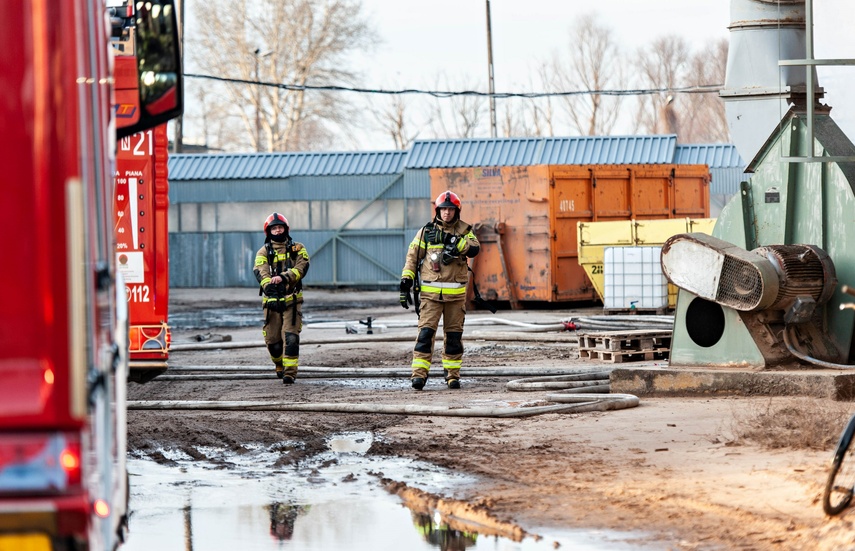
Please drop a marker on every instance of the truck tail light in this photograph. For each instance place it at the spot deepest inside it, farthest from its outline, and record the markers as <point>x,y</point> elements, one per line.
<point>69,460</point>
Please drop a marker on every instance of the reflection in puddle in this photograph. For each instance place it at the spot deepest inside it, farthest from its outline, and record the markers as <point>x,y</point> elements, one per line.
<point>357,442</point>
<point>283,517</point>
<point>441,535</point>
<point>332,503</point>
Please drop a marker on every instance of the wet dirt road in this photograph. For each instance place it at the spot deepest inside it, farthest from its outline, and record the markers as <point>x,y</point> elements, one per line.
<point>659,476</point>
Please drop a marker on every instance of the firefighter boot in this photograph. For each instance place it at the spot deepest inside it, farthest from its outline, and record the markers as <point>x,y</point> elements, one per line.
<point>276,357</point>
<point>420,373</point>
<point>289,375</point>
<point>277,364</point>
<point>452,378</point>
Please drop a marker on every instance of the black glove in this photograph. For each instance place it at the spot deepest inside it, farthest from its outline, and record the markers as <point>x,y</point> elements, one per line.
<point>445,238</point>
<point>277,303</point>
<point>406,298</point>
<point>276,290</point>
<point>275,297</point>
<point>271,290</point>
<point>436,236</point>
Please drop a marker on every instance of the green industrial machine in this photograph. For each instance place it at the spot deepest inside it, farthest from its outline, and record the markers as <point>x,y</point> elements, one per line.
<point>762,292</point>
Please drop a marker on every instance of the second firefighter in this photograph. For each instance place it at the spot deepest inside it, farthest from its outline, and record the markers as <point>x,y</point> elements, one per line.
<point>280,266</point>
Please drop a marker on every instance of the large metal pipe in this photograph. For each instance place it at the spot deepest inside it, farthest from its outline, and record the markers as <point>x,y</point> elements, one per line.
<point>756,90</point>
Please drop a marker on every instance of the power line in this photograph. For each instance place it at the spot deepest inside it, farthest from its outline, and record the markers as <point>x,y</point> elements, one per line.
<point>702,89</point>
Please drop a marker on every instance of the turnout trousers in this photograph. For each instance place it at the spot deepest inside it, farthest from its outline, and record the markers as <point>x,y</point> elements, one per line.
<point>453,314</point>
<point>282,336</point>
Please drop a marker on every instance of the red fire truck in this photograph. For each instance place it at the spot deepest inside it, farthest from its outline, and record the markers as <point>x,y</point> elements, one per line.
<point>141,211</point>
<point>63,314</point>
<point>142,247</point>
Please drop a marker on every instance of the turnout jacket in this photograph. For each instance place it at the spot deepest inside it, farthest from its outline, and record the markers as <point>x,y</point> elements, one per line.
<point>439,280</point>
<point>288,257</point>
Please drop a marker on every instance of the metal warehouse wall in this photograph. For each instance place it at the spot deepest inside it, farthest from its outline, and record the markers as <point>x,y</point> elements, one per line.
<point>355,228</point>
<point>357,212</point>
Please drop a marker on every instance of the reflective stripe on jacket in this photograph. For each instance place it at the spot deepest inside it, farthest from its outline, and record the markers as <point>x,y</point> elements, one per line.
<point>296,261</point>
<point>441,281</point>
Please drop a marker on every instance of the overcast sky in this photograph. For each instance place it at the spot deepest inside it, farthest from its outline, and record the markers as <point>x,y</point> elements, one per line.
<point>423,39</point>
<point>450,35</point>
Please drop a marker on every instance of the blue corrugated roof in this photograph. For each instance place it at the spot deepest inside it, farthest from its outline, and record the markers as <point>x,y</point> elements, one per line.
<point>473,152</point>
<point>581,150</point>
<point>715,155</point>
<point>250,166</point>
<point>460,153</point>
<point>608,150</point>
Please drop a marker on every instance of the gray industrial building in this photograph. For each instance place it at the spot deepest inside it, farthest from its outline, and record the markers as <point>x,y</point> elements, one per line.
<point>356,212</point>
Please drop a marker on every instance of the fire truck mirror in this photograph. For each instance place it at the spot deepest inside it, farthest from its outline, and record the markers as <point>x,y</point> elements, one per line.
<point>158,59</point>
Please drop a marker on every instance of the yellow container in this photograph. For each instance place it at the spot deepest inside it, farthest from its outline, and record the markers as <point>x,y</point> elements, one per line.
<point>594,237</point>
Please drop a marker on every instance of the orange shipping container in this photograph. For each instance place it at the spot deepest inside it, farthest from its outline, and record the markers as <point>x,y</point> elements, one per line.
<point>525,218</point>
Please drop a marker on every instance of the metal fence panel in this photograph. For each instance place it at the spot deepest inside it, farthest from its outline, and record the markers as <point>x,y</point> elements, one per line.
<point>215,259</point>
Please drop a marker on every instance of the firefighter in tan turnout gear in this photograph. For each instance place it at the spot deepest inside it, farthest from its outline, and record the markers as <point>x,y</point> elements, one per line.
<point>438,255</point>
<point>280,266</point>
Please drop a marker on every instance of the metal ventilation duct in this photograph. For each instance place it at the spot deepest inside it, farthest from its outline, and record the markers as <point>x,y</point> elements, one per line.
<point>756,90</point>
<point>720,272</point>
<point>774,277</point>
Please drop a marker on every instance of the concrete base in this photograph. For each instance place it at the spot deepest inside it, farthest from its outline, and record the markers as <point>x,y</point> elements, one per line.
<point>688,381</point>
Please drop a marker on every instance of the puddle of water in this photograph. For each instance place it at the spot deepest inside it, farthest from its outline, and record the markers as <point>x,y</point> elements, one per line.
<point>333,503</point>
<point>351,443</point>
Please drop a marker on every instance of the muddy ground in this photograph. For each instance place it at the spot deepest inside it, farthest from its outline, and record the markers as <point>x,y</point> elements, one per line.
<point>670,469</point>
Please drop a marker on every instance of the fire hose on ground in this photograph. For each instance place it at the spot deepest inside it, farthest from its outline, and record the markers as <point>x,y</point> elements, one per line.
<point>575,390</point>
<point>557,325</point>
<point>578,391</point>
<point>569,403</point>
<point>362,339</point>
<point>243,372</point>
<point>522,333</point>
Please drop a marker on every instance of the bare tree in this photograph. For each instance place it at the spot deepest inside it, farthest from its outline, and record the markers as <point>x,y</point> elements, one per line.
<point>511,120</point>
<point>395,121</point>
<point>459,116</point>
<point>292,42</point>
<point>594,64</point>
<point>703,118</point>
<point>215,123</point>
<point>539,114</point>
<point>530,117</point>
<point>662,65</point>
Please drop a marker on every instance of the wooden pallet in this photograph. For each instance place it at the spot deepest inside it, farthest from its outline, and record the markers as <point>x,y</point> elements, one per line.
<point>615,357</point>
<point>625,346</point>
